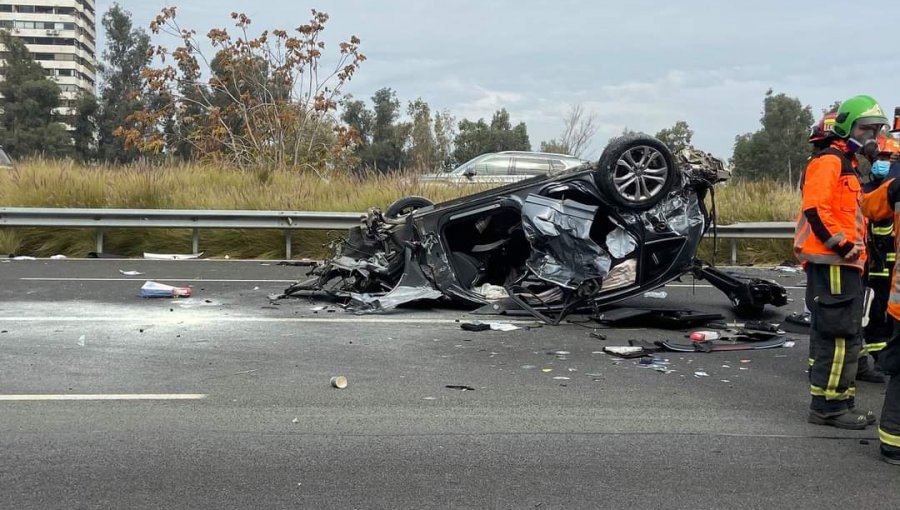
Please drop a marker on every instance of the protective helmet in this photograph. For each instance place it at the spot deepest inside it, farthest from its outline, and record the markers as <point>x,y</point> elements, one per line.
<point>821,130</point>
<point>859,111</point>
<point>888,145</point>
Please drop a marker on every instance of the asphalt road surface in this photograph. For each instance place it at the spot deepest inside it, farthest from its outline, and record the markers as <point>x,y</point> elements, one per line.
<point>223,400</point>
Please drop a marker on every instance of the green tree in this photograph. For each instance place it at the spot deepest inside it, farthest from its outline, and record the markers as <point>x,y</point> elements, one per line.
<point>476,138</point>
<point>122,92</point>
<point>84,124</point>
<point>28,124</point>
<point>421,153</point>
<point>443,139</point>
<point>358,118</point>
<point>381,137</point>
<point>676,137</point>
<point>779,149</point>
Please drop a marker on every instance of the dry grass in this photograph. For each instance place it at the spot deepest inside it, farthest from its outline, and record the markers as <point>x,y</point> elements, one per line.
<point>754,201</point>
<point>59,184</point>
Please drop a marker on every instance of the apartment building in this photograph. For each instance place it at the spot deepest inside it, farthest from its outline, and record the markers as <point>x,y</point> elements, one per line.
<point>61,35</point>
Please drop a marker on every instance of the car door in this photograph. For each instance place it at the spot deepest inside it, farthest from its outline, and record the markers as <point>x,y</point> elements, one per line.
<point>526,167</point>
<point>493,170</point>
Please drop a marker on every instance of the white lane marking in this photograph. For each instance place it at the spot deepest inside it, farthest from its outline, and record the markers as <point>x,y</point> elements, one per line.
<point>706,286</point>
<point>176,319</point>
<point>130,396</point>
<point>145,277</point>
<point>201,280</point>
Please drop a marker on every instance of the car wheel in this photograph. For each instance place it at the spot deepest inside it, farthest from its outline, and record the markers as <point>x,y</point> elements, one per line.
<point>636,171</point>
<point>406,206</point>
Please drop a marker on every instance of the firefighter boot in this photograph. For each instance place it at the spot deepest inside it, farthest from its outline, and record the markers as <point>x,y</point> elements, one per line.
<point>846,420</point>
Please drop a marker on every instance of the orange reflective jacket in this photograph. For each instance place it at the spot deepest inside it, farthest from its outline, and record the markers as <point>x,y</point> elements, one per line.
<point>831,222</point>
<point>879,205</point>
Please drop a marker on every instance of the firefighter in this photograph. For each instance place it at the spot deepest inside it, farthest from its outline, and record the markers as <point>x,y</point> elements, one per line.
<point>879,264</point>
<point>879,205</point>
<point>830,242</point>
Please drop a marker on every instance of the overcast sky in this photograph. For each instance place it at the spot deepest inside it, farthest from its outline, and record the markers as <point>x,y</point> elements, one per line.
<point>643,64</point>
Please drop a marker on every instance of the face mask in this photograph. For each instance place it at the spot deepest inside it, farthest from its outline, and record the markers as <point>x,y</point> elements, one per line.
<point>865,144</point>
<point>880,168</point>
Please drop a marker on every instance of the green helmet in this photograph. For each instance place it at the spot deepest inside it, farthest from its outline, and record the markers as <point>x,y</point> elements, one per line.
<point>858,110</point>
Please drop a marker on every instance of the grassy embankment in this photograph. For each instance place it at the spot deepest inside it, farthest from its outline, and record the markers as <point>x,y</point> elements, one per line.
<point>52,184</point>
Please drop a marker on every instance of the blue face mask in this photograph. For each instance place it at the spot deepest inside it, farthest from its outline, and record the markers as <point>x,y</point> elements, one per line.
<point>880,168</point>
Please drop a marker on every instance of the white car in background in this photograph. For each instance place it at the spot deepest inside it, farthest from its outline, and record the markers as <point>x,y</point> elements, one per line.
<point>505,167</point>
<point>5,161</point>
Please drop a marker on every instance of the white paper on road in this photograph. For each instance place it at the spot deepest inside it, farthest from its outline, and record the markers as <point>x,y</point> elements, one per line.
<point>171,256</point>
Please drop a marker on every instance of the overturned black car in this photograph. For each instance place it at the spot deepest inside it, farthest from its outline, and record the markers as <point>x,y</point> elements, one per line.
<point>550,245</point>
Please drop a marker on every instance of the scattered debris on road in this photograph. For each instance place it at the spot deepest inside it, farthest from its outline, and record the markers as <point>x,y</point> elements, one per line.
<point>161,290</point>
<point>339,382</point>
<point>662,318</point>
<point>660,294</point>
<point>459,387</point>
<point>131,273</point>
<point>484,326</point>
<point>172,256</point>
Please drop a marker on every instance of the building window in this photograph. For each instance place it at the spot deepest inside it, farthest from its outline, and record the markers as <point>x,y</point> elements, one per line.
<point>25,8</point>
<point>5,8</point>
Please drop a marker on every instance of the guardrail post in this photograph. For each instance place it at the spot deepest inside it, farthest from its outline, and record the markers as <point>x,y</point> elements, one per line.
<point>287,244</point>
<point>98,236</point>
<point>195,241</point>
<point>734,252</point>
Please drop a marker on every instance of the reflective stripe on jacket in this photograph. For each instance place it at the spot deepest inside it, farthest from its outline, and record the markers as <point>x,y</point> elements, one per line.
<point>831,222</point>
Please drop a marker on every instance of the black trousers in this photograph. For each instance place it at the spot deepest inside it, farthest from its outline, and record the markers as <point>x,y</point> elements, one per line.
<point>834,296</point>
<point>889,427</point>
<point>880,327</point>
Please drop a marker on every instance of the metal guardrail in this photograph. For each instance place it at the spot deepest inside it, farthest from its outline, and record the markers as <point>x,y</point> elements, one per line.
<point>287,221</point>
<point>101,219</point>
<point>753,230</point>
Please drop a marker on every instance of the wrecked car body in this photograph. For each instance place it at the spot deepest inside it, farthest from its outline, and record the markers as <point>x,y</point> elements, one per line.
<point>579,239</point>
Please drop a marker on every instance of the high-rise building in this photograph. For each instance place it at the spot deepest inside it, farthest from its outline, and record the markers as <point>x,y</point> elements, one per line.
<point>61,35</point>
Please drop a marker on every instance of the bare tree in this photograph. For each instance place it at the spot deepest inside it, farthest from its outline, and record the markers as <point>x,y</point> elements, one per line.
<point>580,129</point>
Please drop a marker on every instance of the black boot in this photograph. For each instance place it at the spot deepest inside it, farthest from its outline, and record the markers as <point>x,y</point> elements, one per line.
<point>846,420</point>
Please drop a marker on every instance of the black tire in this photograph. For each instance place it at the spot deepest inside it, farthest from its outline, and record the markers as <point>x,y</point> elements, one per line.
<point>636,171</point>
<point>406,206</point>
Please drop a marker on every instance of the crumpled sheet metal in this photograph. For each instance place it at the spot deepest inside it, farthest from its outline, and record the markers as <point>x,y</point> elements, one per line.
<point>681,212</point>
<point>559,233</point>
<point>619,243</point>
<point>702,163</point>
<point>413,286</point>
<point>366,303</point>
